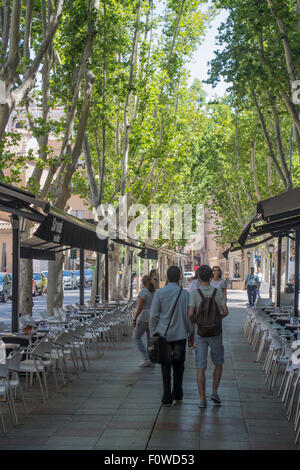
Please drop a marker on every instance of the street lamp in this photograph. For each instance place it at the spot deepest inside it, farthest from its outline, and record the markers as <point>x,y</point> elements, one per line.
<point>271,251</point>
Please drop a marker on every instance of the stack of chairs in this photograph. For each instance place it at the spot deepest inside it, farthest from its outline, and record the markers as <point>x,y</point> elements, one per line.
<point>270,339</point>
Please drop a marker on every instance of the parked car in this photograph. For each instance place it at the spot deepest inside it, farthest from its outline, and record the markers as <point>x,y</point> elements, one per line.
<point>88,277</point>
<point>77,275</point>
<point>69,280</point>
<point>5,286</point>
<point>186,276</point>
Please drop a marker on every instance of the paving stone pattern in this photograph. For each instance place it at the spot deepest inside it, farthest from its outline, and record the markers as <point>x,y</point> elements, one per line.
<point>116,405</point>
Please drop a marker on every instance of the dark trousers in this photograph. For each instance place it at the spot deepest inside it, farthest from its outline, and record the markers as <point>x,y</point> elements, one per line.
<point>252,292</point>
<point>175,361</point>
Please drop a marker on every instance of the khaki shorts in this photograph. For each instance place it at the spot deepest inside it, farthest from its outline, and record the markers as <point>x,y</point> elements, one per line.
<point>215,343</point>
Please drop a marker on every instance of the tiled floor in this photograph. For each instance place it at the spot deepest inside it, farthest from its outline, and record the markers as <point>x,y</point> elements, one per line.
<point>116,405</point>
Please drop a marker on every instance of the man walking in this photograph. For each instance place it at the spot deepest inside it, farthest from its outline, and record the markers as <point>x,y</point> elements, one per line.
<point>252,286</point>
<point>215,343</point>
<point>179,330</point>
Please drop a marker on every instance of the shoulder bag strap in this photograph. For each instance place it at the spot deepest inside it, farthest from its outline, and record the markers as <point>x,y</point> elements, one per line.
<point>214,293</point>
<point>201,293</point>
<point>173,310</point>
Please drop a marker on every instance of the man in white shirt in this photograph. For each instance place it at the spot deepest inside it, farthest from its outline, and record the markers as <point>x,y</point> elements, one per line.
<point>252,285</point>
<point>180,329</point>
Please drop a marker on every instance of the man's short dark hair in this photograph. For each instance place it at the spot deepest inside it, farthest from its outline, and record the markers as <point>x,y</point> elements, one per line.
<point>205,273</point>
<point>173,274</point>
<point>197,272</point>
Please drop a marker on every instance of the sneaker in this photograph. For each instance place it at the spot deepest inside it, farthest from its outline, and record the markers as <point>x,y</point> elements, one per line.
<point>216,399</point>
<point>176,402</point>
<point>202,404</point>
<point>145,363</point>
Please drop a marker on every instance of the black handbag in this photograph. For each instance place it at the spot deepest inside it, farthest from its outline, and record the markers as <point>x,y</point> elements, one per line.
<point>157,348</point>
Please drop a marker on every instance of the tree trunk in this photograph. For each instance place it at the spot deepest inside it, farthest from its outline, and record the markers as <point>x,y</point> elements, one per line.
<point>114,271</point>
<point>258,196</point>
<point>126,107</point>
<point>55,292</point>
<point>5,26</point>
<point>285,41</point>
<point>291,108</point>
<point>145,267</point>
<point>279,142</point>
<point>101,276</point>
<point>126,278</point>
<point>237,153</point>
<point>269,163</point>
<point>26,276</point>
<point>297,138</point>
<point>268,140</point>
<point>8,72</point>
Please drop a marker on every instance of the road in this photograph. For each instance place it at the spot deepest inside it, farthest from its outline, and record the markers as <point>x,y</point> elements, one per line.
<point>40,303</point>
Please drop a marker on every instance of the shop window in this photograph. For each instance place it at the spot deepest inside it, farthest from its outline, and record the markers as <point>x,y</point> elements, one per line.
<point>237,270</point>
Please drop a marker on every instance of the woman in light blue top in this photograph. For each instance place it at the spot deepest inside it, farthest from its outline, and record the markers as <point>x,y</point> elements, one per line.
<point>141,319</point>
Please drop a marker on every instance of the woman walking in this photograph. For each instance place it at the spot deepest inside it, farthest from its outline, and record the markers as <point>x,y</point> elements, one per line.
<point>218,281</point>
<point>141,319</point>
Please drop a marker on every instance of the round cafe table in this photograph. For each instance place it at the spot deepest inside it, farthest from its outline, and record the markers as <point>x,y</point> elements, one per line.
<point>10,347</point>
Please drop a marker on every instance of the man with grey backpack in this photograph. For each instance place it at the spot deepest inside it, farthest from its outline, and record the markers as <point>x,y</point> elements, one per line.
<point>169,320</point>
<point>207,308</point>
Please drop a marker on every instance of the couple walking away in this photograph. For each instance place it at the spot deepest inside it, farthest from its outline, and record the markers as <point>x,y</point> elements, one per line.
<point>204,300</point>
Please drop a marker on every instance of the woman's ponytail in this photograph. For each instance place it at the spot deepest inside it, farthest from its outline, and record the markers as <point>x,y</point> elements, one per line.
<point>149,283</point>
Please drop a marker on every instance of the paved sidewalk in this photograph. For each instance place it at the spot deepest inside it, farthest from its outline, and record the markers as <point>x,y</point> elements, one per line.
<point>116,405</point>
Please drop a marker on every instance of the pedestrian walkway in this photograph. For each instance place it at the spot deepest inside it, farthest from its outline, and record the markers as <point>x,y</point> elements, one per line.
<point>116,405</point>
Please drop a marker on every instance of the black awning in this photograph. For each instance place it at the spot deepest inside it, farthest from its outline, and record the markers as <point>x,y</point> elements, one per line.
<point>280,207</point>
<point>125,243</point>
<point>279,227</point>
<point>148,253</point>
<point>281,214</point>
<point>66,230</point>
<point>35,248</point>
<point>22,203</point>
<point>31,253</point>
<point>251,245</point>
<point>244,235</point>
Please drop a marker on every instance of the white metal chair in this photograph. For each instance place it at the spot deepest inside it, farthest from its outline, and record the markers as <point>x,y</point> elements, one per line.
<point>37,362</point>
<point>65,343</point>
<point>13,365</point>
<point>6,393</point>
<point>78,334</point>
